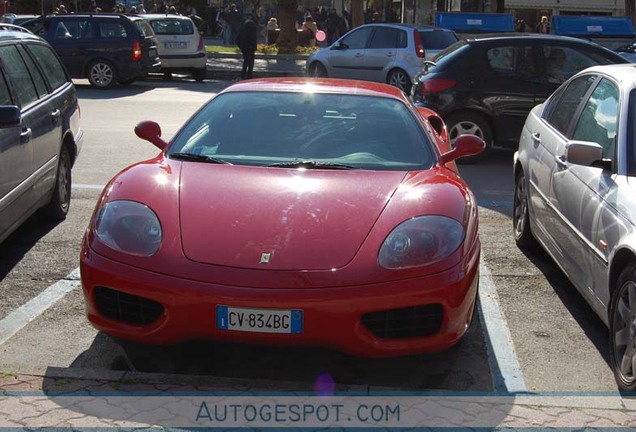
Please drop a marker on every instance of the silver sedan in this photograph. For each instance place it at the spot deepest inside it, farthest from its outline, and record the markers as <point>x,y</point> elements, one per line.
<point>575,177</point>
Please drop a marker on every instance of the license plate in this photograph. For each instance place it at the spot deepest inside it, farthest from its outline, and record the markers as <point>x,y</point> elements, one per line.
<point>175,45</point>
<point>259,320</point>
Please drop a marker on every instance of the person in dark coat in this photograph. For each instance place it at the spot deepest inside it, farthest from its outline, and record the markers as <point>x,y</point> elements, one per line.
<point>247,41</point>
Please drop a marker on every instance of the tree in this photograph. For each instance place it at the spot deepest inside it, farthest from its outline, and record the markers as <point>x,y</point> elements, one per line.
<point>288,37</point>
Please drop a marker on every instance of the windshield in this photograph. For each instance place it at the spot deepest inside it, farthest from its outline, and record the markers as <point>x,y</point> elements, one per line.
<point>319,131</point>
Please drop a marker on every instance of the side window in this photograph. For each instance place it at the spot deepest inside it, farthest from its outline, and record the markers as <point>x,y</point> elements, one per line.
<point>501,60</point>
<point>112,30</point>
<point>357,39</point>
<point>384,38</point>
<point>513,61</point>
<point>18,75</point>
<point>562,62</point>
<point>599,117</point>
<point>60,31</point>
<point>36,75</point>
<point>49,62</point>
<point>563,109</point>
<point>5,96</point>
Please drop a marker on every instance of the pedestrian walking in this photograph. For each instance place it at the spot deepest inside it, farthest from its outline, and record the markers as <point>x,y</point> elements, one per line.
<point>247,40</point>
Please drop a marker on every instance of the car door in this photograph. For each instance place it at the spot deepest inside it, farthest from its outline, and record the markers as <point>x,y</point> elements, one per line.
<point>549,136</point>
<point>381,52</point>
<point>346,57</point>
<point>71,38</point>
<point>39,128</point>
<point>509,85</point>
<point>577,191</point>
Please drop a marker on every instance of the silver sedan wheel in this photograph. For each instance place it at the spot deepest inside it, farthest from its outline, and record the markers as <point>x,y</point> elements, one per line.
<point>400,79</point>
<point>623,332</point>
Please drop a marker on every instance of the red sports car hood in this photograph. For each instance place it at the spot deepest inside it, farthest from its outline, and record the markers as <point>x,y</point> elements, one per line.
<point>279,219</point>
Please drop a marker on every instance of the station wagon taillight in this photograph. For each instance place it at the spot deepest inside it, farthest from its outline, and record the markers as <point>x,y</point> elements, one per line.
<point>201,46</point>
<point>433,86</point>
<point>419,45</point>
<point>136,48</point>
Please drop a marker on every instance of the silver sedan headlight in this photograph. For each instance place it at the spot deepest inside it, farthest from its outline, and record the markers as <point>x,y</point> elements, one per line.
<point>421,241</point>
<point>129,227</point>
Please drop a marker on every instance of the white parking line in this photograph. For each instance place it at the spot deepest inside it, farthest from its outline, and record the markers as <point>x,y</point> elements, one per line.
<point>504,366</point>
<point>26,313</point>
<point>87,186</point>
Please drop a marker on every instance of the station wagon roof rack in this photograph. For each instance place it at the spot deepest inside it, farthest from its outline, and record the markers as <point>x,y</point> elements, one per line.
<point>7,26</point>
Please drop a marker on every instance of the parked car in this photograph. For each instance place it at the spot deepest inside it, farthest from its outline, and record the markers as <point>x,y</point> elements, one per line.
<point>487,85</point>
<point>180,45</point>
<point>628,52</point>
<point>574,195</point>
<point>40,133</point>
<point>283,213</point>
<point>105,48</point>
<point>11,18</point>
<point>386,53</point>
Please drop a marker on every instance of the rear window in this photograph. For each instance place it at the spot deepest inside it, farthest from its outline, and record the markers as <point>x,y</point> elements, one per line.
<point>438,39</point>
<point>173,27</point>
<point>144,28</point>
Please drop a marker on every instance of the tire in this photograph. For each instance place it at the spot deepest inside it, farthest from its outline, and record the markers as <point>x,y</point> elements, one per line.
<point>199,74</point>
<point>57,208</point>
<point>521,215</point>
<point>622,321</point>
<point>400,79</point>
<point>469,123</point>
<point>317,70</point>
<point>102,74</point>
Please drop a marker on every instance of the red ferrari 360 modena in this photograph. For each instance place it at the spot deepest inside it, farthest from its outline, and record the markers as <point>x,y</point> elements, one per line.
<point>291,212</point>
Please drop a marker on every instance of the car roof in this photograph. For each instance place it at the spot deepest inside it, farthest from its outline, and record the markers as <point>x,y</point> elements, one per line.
<point>154,16</point>
<point>318,85</point>
<point>407,26</point>
<point>13,32</point>
<point>484,37</point>
<point>625,72</point>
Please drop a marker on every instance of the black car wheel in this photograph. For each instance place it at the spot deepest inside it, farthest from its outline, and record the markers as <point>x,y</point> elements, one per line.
<point>622,320</point>
<point>317,70</point>
<point>57,208</point>
<point>521,215</point>
<point>199,74</point>
<point>400,79</point>
<point>469,123</point>
<point>101,74</point>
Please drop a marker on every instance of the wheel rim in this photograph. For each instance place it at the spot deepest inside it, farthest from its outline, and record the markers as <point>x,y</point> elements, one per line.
<point>64,181</point>
<point>520,206</point>
<point>317,71</point>
<point>464,127</point>
<point>102,74</point>
<point>398,79</point>
<point>624,336</point>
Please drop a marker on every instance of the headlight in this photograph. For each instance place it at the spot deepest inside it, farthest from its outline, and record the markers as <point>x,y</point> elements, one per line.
<point>421,241</point>
<point>129,227</point>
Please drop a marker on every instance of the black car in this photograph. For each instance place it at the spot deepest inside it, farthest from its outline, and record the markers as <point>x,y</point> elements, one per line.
<point>486,85</point>
<point>40,133</point>
<point>105,48</point>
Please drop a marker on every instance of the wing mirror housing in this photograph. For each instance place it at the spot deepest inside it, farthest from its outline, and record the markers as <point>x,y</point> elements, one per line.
<point>585,153</point>
<point>151,131</point>
<point>464,145</point>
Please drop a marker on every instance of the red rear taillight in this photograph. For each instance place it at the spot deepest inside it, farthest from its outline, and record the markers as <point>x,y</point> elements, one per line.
<point>419,46</point>
<point>433,86</point>
<point>136,48</point>
<point>201,46</point>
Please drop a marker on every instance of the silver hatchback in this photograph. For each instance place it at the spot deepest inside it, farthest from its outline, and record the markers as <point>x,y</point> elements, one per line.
<point>382,52</point>
<point>575,195</point>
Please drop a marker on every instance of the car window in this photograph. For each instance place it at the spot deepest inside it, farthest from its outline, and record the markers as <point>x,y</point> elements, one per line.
<point>18,75</point>
<point>144,28</point>
<point>5,96</point>
<point>437,39</point>
<point>562,109</point>
<point>40,28</point>
<point>112,30</point>
<point>172,27</point>
<point>34,71</point>
<point>513,61</point>
<point>598,119</point>
<point>55,72</point>
<point>385,37</point>
<point>60,31</point>
<point>563,62</point>
<point>357,39</point>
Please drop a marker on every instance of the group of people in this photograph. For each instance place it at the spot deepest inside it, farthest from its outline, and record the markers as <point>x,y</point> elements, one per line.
<point>543,26</point>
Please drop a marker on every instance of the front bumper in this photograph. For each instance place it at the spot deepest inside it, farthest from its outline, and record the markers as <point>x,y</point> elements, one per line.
<point>332,317</point>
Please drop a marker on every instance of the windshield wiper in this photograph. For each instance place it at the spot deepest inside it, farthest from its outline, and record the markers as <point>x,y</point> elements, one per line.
<point>311,164</point>
<point>198,158</point>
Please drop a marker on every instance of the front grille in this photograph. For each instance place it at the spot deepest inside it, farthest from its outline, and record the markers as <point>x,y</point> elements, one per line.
<point>408,322</point>
<point>127,308</point>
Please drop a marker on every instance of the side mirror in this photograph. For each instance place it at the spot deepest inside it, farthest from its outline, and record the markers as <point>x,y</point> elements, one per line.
<point>585,153</point>
<point>464,145</point>
<point>10,116</point>
<point>151,131</point>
